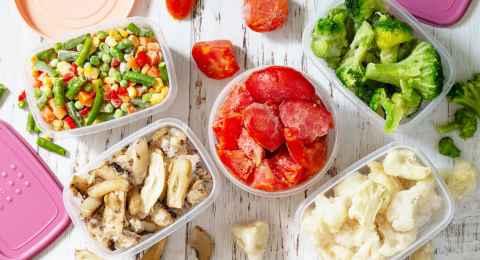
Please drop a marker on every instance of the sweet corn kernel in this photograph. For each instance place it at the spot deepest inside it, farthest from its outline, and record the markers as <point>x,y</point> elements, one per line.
<point>34,59</point>
<point>158,82</point>
<point>57,125</point>
<point>158,97</point>
<point>145,68</point>
<point>114,34</point>
<point>109,80</point>
<point>124,99</point>
<point>134,40</point>
<point>47,81</point>
<point>96,41</point>
<point>132,92</point>
<point>143,41</point>
<point>91,73</point>
<point>123,33</point>
<point>110,41</point>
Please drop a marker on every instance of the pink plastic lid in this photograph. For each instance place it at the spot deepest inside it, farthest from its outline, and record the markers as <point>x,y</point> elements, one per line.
<point>437,12</point>
<point>31,209</point>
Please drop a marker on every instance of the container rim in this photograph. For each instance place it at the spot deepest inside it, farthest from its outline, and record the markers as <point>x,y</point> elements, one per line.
<point>103,126</point>
<point>148,240</point>
<point>333,146</point>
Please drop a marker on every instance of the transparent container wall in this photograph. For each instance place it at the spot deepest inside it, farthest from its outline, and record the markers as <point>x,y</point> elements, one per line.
<point>72,203</point>
<point>439,221</point>
<point>399,12</point>
<point>332,140</point>
<point>28,82</point>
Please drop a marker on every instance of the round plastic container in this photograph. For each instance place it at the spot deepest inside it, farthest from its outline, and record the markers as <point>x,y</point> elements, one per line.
<point>400,13</point>
<point>86,130</point>
<point>72,203</point>
<point>332,140</point>
<point>439,221</point>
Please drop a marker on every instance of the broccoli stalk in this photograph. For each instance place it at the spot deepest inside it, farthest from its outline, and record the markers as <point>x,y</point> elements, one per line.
<point>465,122</point>
<point>422,68</point>
<point>467,94</point>
<point>351,71</point>
<point>447,147</point>
<point>329,37</point>
<point>361,10</point>
<point>389,34</point>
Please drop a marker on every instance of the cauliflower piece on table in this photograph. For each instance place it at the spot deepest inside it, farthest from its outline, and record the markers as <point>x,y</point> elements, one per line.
<point>403,163</point>
<point>393,241</point>
<point>333,211</point>
<point>366,203</point>
<point>463,180</point>
<point>349,185</point>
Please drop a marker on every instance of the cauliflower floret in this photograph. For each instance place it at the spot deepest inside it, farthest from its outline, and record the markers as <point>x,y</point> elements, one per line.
<point>252,238</point>
<point>348,186</point>
<point>463,180</point>
<point>366,202</point>
<point>423,253</point>
<point>390,183</point>
<point>393,241</point>
<point>352,235</point>
<point>317,230</point>
<point>333,211</point>
<point>404,163</point>
<point>336,252</point>
<point>369,250</point>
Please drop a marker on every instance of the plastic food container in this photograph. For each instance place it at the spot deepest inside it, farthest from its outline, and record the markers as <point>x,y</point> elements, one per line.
<point>72,203</point>
<point>28,82</point>
<point>439,221</point>
<point>332,140</point>
<point>400,13</point>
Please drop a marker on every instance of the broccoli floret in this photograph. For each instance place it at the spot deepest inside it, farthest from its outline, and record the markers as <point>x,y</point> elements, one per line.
<point>422,68</point>
<point>467,94</point>
<point>361,10</point>
<point>447,147</point>
<point>389,34</point>
<point>406,48</point>
<point>329,37</point>
<point>465,122</point>
<point>351,70</point>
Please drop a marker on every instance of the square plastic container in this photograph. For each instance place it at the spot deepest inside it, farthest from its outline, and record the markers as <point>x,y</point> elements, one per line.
<point>72,203</point>
<point>332,140</point>
<point>439,221</point>
<point>28,81</point>
<point>400,13</point>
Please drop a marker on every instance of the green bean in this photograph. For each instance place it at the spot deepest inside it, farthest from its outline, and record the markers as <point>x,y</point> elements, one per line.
<point>147,33</point>
<point>51,146</point>
<point>67,55</point>
<point>30,123</point>
<point>139,78</point>
<point>163,72</point>
<point>42,66</point>
<point>102,117</point>
<point>59,92</point>
<point>46,55</point>
<point>74,86</point>
<point>72,43</point>
<point>73,113</point>
<point>97,102</point>
<point>133,28</point>
<point>139,103</point>
<point>83,55</point>
<point>47,93</point>
<point>3,90</point>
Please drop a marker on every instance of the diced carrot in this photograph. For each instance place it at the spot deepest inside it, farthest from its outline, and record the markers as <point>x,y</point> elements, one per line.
<point>154,72</point>
<point>85,98</point>
<point>47,114</point>
<point>59,112</point>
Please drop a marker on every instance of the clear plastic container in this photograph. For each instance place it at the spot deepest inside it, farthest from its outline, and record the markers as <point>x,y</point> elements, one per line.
<point>141,21</point>
<point>72,203</point>
<point>439,221</point>
<point>400,13</point>
<point>332,140</point>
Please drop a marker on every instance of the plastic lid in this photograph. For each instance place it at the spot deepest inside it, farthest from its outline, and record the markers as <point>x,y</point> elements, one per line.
<point>56,17</point>
<point>434,12</point>
<point>31,208</point>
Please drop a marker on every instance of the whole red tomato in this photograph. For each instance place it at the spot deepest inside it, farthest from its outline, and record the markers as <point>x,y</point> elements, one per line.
<point>215,58</point>
<point>180,9</point>
<point>265,15</point>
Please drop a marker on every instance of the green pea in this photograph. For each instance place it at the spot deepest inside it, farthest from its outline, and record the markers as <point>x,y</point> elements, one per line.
<point>115,52</point>
<point>146,97</point>
<point>123,83</point>
<point>37,93</point>
<point>88,87</point>
<point>106,58</point>
<point>104,47</point>
<point>94,60</point>
<point>108,108</point>
<point>115,74</point>
<point>118,113</point>
<point>124,107</point>
<point>104,67</point>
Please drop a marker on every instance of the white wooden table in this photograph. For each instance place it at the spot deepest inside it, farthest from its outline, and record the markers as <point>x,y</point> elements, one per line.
<point>217,19</point>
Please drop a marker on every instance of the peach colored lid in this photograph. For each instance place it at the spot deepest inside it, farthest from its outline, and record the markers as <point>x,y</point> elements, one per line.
<point>52,18</point>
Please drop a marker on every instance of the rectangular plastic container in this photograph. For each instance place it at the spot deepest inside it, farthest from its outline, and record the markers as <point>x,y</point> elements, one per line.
<point>72,203</point>
<point>141,21</point>
<point>439,221</point>
<point>400,13</point>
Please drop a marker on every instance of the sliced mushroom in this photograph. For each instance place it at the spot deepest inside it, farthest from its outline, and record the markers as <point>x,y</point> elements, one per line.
<point>140,226</point>
<point>180,176</point>
<point>156,251</point>
<point>135,204</point>
<point>155,183</point>
<point>122,160</point>
<point>107,172</point>
<point>84,254</point>
<point>88,206</point>
<point>198,192</point>
<point>101,189</point>
<point>96,231</point>
<point>202,242</point>
<point>138,153</point>
<point>126,239</point>
<point>161,216</point>
<point>80,184</point>
<point>114,213</point>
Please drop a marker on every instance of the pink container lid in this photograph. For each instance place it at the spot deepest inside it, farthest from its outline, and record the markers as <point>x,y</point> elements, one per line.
<point>437,12</point>
<point>32,214</point>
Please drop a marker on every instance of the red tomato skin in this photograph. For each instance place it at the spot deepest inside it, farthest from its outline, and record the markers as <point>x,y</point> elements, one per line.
<point>237,100</point>
<point>311,156</point>
<point>216,59</point>
<point>179,9</point>
<point>286,169</point>
<point>228,130</point>
<point>265,15</point>
<point>237,163</point>
<point>253,150</point>
<point>278,83</point>
<point>264,126</point>
<point>264,179</point>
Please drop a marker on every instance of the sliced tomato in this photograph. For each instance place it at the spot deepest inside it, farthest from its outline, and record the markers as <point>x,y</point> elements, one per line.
<point>264,126</point>
<point>237,100</point>
<point>237,162</point>
<point>310,120</point>
<point>285,168</point>
<point>228,130</point>
<point>265,15</point>
<point>277,83</point>
<point>264,179</point>
<point>215,58</point>
<point>180,9</point>
<point>311,156</point>
<point>251,148</point>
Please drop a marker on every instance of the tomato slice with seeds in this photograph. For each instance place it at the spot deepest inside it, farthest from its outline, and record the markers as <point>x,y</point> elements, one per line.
<point>265,15</point>
<point>237,162</point>
<point>228,130</point>
<point>311,156</point>
<point>216,59</point>
<point>264,126</point>
<point>180,9</point>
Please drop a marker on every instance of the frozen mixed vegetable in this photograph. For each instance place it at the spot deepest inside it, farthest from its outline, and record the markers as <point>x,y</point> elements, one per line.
<point>99,76</point>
